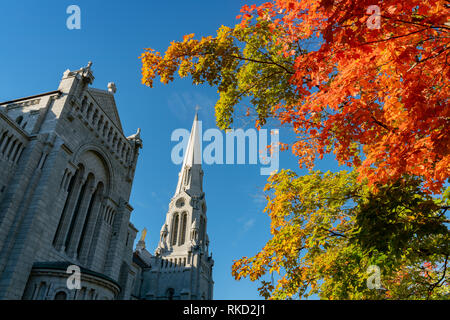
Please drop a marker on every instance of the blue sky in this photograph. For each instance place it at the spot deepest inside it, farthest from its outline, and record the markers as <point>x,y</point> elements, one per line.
<point>37,48</point>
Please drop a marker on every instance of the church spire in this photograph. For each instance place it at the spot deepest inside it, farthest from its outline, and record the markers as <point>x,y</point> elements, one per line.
<point>182,265</point>
<point>190,178</point>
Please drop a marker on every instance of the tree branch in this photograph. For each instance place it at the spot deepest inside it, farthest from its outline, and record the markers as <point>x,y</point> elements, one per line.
<point>264,62</point>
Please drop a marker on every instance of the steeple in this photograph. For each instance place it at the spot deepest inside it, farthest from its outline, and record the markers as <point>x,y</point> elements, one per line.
<point>190,178</point>
<point>182,264</point>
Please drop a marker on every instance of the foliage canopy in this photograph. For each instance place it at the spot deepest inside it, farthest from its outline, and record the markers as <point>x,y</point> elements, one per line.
<point>377,99</point>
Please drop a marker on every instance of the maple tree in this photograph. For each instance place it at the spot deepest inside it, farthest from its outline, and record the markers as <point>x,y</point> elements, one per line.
<point>377,99</point>
<point>328,229</point>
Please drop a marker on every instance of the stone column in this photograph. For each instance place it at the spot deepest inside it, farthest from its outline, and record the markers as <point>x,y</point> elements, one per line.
<point>90,228</point>
<point>100,241</point>
<point>118,239</point>
<point>68,211</point>
<point>5,145</point>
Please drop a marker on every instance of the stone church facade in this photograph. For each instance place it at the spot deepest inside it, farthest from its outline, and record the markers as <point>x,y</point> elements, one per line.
<point>66,172</point>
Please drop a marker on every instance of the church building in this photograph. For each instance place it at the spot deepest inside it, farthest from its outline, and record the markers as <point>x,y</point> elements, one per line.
<point>66,173</point>
<point>182,265</point>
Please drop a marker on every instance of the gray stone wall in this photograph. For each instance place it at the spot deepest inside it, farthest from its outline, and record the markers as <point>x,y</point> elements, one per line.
<point>66,172</point>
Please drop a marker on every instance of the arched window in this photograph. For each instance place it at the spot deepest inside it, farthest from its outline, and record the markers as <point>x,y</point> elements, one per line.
<point>105,129</point>
<point>187,177</point>
<point>83,104</point>
<point>2,138</point>
<point>175,228</point>
<point>19,120</point>
<point>94,117</point>
<point>122,152</point>
<point>111,218</point>
<point>169,293</point>
<point>100,123</point>
<point>83,241</point>
<point>114,142</point>
<point>60,295</point>
<point>183,228</point>
<point>6,144</point>
<point>41,290</point>
<point>17,151</point>
<point>76,212</point>
<point>89,110</point>
<point>12,148</point>
<point>91,294</point>
<point>82,294</point>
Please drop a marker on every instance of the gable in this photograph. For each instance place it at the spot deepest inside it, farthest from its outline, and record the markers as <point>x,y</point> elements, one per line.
<point>106,101</point>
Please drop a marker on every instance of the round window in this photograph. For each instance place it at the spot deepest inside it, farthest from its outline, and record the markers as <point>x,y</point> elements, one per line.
<point>180,203</point>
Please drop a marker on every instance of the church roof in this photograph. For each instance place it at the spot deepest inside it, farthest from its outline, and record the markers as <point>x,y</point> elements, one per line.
<point>30,97</point>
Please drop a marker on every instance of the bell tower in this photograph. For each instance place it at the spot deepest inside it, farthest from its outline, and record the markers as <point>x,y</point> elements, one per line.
<point>182,267</point>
